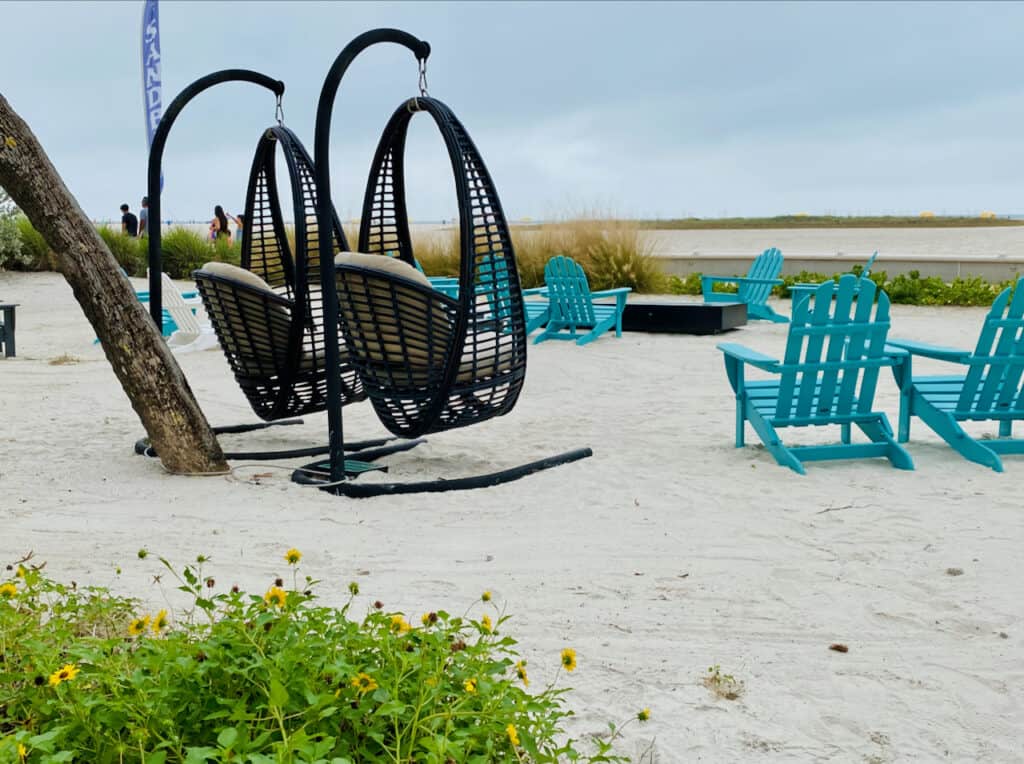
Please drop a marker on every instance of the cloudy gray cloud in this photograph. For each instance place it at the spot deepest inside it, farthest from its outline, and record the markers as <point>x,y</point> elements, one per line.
<point>655,109</point>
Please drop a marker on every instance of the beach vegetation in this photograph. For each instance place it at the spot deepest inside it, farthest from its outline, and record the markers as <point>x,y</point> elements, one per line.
<point>725,686</point>
<point>125,249</point>
<point>90,675</point>
<point>10,241</point>
<point>184,250</point>
<point>613,253</point>
<point>904,289</point>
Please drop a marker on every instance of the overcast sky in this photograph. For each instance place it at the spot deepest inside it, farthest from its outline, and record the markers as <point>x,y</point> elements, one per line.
<point>654,110</point>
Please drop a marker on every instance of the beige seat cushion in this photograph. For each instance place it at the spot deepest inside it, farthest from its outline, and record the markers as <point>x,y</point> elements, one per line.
<point>241,275</point>
<point>384,264</point>
<point>258,336</point>
<point>401,337</point>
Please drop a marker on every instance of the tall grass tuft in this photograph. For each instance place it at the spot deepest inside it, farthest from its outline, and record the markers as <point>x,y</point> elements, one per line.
<point>613,253</point>
<point>125,249</point>
<point>36,254</point>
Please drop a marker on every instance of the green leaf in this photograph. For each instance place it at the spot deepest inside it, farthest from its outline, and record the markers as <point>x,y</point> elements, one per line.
<point>278,694</point>
<point>227,737</point>
<point>157,757</point>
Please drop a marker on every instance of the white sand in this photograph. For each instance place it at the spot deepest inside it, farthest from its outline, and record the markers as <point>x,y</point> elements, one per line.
<point>665,553</point>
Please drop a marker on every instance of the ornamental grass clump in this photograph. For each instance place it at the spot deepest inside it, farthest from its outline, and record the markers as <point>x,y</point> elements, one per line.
<point>266,677</point>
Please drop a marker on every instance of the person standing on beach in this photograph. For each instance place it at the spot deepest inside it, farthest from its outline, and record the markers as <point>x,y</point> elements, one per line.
<point>240,223</point>
<point>129,223</point>
<point>219,225</point>
<point>144,217</point>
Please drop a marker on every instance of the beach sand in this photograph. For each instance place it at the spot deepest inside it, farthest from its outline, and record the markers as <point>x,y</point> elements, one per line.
<point>667,552</point>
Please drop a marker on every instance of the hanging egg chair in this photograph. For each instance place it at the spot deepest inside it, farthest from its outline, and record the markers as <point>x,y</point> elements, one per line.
<point>429,362</point>
<point>268,313</point>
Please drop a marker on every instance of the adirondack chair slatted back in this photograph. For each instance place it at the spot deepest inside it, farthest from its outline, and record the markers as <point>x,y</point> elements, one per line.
<point>767,265</point>
<point>569,292</point>
<point>833,353</point>
<point>992,387</point>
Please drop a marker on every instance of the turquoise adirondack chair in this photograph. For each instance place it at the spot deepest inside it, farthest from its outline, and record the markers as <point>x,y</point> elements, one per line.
<point>827,376</point>
<point>753,289</point>
<point>801,291</point>
<point>991,390</point>
<point>572,307</point>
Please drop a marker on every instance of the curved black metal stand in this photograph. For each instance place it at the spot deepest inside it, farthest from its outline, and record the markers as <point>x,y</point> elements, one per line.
<point>367,490</point>
<point>337,466</point>
<point>321,160</point>
<point>156,156</point>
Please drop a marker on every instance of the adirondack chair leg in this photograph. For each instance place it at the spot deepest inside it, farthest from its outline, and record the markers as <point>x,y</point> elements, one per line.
<point>1006,428</point>
<point>903,374</point>
<point>950,431</point>
<point>773,443</point>
<point>844,434</point>
<point>879,431</point>
<point>741,420</point>
<point>597,331</point>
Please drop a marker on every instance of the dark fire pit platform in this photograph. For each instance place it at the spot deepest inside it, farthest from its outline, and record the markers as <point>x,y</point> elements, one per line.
<point>683,317</point>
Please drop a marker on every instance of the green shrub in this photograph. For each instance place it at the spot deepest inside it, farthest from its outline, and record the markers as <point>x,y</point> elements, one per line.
<point>689,285</point>
<point>227,251</point>
<point>36,253</point>
<point>10,240</point>
<point>87,676</point>
<point>125,249</point>
<point>183,251</point>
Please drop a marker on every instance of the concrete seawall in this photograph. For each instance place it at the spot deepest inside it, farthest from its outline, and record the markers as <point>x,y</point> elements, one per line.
<point>995,254</point>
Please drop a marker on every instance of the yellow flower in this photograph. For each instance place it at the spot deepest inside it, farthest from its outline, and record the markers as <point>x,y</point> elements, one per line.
<point>644,714</point>
<point>292,556</point>
<point>425,619</point>
<point>399,625</point>
<point>21,572</point>
<point>486,596</point>
<point>364,683</point>
<point>22,751</point>
<point>65,674</point>
<point>513,736</point>
<point>521,673</point>
<point>275,596</point>
<point>160,622</point>
<point>8,590</point>
<point>138,626</point>
<point>470,686</point>
<point>569,659</point>
<point>485,622</point>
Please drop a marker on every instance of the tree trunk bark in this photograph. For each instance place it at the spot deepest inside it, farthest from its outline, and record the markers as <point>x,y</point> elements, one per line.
<point>143,363</point>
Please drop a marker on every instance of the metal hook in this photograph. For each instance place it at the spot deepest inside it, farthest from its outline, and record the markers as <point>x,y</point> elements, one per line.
<point>423,78</point>
<point>413,105</point>
<point>279,112</point>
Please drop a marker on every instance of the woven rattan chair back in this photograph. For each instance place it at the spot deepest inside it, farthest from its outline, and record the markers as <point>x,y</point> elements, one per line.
<point>428,362</point>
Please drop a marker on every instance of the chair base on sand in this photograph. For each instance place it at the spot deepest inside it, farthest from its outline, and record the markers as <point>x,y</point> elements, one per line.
<point>760,403</point>
<point>358,449</point>
<point>367,490</point>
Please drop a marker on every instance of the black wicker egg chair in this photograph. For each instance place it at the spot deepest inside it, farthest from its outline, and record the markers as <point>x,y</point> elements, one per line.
<point>268,314</point>
<point>429,362</point>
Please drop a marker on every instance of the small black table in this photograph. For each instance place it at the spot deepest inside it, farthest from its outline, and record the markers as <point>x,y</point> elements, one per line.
<point>7,329</point>
<point>683,317</point>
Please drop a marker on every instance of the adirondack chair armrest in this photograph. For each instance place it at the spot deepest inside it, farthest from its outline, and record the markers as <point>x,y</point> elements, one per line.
<point>541,291</point>
<point>612,292</point>
<point>745,355</point>
<point>953,355</point>
<point>708,282</point>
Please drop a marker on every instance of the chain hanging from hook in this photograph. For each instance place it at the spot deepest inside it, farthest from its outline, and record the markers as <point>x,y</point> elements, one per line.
<point>279,112</point>
<point>423,78</point>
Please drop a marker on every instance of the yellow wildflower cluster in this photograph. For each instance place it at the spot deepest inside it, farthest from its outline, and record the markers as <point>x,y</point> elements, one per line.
<point>470,685</point>
<point>364,683</point>
<point>513,735</point>
<point>8,590</point>
<point>275,596</point>
<point>569,659</point>
<point>399,625</point>
<point>64,674</point>
<point>486,624</point>
<point>292,556</point>
<point>521,673</point>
